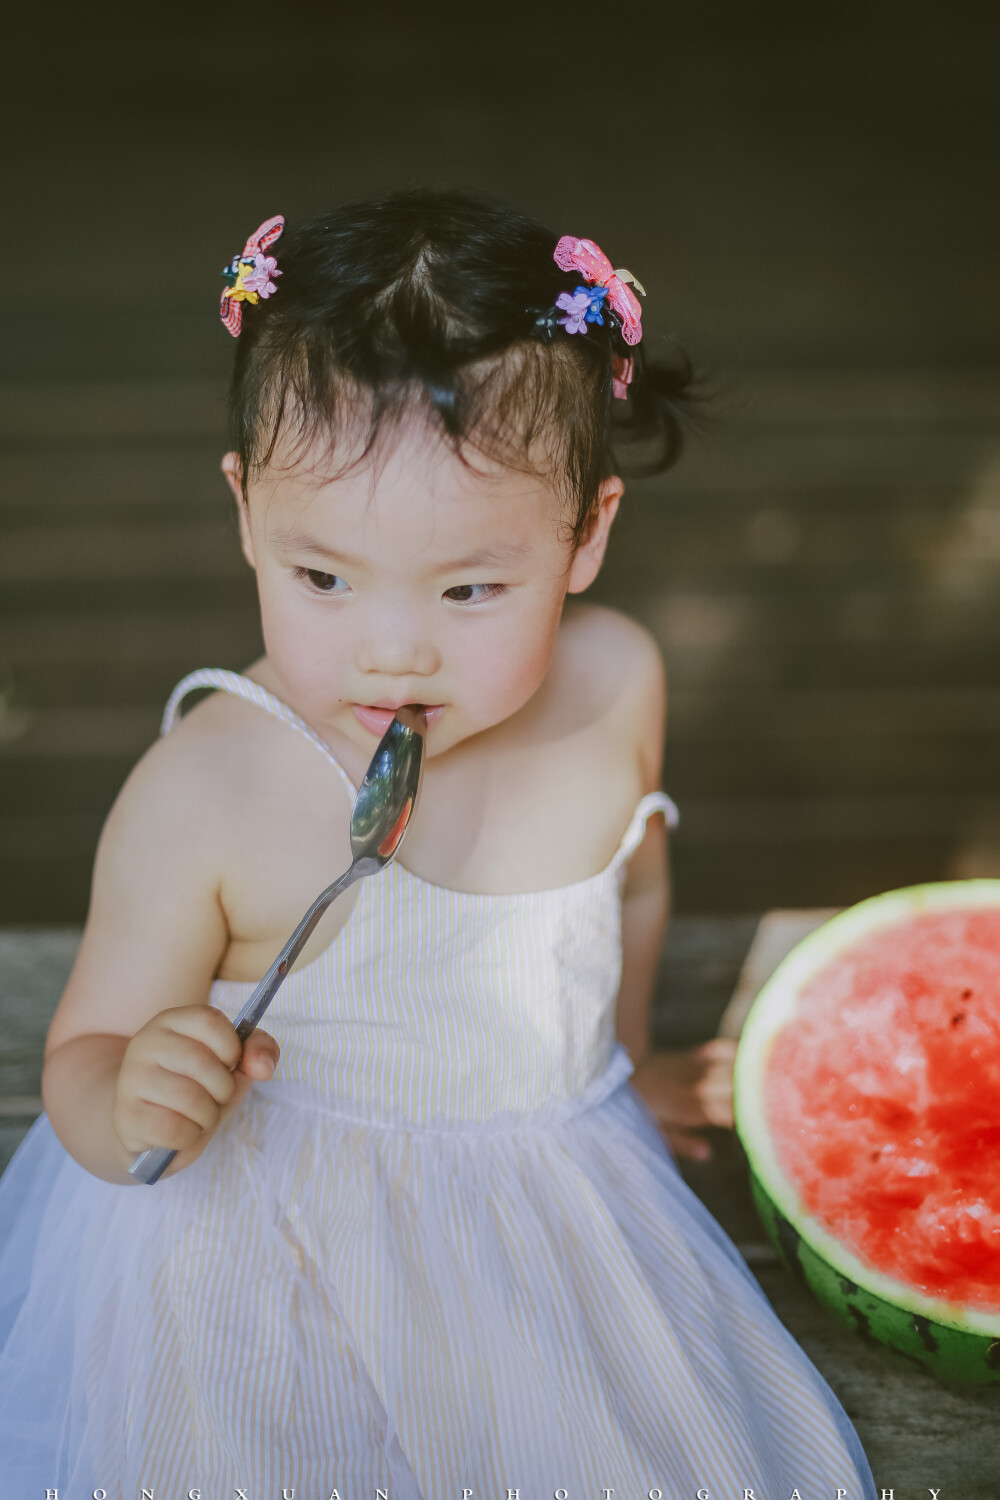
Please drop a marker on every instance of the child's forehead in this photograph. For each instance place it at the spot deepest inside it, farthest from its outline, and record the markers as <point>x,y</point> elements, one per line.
<point>415,482</point>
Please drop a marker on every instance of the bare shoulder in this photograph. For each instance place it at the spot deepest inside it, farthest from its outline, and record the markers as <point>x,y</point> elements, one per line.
<point>185,781</point>
<point>615,641</point>
<point>621,664</point>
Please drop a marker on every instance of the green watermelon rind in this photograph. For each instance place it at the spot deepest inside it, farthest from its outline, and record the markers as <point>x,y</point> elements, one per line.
<point>957,1344</point>
<point>955,1355</point>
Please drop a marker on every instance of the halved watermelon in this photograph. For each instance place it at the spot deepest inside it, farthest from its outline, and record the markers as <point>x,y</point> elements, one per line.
<point>867,1099</point>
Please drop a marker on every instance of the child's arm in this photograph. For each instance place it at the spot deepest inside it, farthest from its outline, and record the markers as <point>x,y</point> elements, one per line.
<point>646,896</point>
<point>134,1057</point>
<point>684,1089</point>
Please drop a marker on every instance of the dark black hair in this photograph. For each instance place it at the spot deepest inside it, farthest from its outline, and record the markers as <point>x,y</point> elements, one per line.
<point>430,298</point>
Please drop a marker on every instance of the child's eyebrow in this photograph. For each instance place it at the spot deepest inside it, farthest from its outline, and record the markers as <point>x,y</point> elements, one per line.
<point>292,540</point>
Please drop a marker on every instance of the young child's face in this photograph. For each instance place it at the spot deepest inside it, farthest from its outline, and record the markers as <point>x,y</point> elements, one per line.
<point>417,580</point>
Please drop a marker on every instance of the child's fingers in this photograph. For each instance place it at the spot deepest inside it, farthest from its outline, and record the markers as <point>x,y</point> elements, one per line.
<point>689,1145</point>
<point>720,1112</point>
<point>715,1094</point>
<point>258,1062</point>
<point>184,1073</point>
<point>720,1047</point>
<point>688,1089</point>
<point>163,1107</point>
<point>260,1055</point>
<point>256,1057</point>
<point>243,1083</point>
<point>715,1088</point>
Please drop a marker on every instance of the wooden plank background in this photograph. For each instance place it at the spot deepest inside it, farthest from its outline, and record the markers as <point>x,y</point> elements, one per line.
<point>809,195</point>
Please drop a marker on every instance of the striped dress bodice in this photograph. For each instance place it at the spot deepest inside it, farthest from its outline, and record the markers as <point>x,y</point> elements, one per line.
<point>442,1009</point>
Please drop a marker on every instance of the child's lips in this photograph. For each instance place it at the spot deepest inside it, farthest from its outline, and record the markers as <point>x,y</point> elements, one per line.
<point>377,720</point>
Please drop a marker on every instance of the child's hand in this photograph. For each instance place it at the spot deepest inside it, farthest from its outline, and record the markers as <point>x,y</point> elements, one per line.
<point>181,1075</point>
<point>689,1089</point>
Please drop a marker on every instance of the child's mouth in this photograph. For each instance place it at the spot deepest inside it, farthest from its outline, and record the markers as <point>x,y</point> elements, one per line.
<point>377,720</point>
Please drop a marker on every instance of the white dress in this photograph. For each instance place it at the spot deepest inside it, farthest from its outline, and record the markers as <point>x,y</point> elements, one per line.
<point>444,1248</point>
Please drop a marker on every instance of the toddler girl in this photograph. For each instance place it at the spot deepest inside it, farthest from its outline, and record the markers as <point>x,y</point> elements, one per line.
<point>422,1237</point>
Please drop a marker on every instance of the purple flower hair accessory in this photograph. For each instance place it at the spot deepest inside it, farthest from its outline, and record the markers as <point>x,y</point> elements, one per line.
<point>581,306</point>
<point>575,305</point>
<point>259,279</point>
<point>586,304</point>
<point>248,277</point>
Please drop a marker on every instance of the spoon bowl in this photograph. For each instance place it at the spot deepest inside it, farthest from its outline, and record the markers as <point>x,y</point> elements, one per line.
<point>388,794</point>
<point>382,811</point>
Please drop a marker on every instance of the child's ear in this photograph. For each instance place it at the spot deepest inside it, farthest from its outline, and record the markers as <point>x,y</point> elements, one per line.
<point>232,469</point>
<point>589,554</point>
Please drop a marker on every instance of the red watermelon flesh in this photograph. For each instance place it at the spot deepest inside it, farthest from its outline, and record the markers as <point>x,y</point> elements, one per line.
<point>882,1095</point>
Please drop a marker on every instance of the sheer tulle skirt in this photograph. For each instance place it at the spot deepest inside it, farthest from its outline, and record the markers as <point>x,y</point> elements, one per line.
<point>318,1304</point>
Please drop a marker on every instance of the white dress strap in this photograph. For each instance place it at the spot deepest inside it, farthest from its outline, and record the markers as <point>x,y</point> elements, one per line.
<point>252,692</point>
<point>636,830</point>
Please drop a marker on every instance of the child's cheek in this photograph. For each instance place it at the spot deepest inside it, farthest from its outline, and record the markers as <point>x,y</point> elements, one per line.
<point>501,674</point>
<point>305,653</point>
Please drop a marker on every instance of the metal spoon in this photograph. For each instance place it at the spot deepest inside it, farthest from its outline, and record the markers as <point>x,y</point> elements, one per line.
<point>382,810</point>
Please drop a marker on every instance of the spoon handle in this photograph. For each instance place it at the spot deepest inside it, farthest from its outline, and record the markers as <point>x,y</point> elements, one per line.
<point>272,981</point>
<point>150,1164</point>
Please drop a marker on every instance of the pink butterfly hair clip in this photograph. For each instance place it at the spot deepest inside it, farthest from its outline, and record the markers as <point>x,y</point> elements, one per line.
<point>250,276</point>
<point>586,304</point>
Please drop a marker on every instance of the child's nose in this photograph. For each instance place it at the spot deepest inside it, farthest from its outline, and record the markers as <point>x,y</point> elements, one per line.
<point>398,649</point>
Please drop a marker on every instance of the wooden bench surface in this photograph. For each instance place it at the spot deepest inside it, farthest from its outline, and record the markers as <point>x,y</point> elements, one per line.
<point>918,1435</point>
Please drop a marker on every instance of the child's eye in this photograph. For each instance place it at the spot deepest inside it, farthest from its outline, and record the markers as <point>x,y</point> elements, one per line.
<point>324,583</point>
<point>464,593</point>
